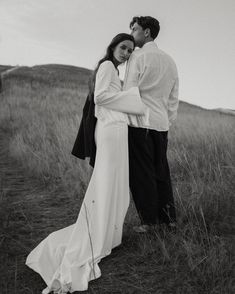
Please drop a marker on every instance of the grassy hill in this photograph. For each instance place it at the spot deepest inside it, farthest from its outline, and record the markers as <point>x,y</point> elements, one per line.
<point>64,76</point>
<point>40,112</point>
<point>226,111</point>
<point>4,68</point>
<point>51,75</point>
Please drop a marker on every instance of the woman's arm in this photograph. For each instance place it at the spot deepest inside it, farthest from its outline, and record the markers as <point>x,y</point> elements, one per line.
<point>128,101</point>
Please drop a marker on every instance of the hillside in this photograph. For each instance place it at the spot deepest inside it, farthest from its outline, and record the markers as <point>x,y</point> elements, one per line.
<point>67,76</point>
<point>53,75</point>
<point>4,68</point>
<point>186,107</point>
<point>226,111</point>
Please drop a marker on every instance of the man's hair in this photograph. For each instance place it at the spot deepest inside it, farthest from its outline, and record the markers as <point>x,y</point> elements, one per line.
<point>147,22</point>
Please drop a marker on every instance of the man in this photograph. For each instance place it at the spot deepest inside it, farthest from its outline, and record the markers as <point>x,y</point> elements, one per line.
<point>155,73</point>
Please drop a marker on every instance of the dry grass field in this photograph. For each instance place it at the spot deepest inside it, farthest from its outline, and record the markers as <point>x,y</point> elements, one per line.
<point>42,186</point>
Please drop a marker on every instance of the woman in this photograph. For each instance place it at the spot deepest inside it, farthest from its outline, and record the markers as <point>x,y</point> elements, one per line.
<point>68,259</point>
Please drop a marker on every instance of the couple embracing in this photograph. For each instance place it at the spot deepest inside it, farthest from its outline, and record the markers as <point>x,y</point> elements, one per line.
<point>128,148</point>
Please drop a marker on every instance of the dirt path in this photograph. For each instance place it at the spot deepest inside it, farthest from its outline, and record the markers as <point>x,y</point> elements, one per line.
<point>28,212</point>
<point>16,225</point>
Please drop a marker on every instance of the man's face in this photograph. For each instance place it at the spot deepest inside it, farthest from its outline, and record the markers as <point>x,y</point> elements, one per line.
<point>139,34</point>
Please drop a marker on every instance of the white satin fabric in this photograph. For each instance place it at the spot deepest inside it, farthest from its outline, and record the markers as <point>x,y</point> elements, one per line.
<point>68,258</point>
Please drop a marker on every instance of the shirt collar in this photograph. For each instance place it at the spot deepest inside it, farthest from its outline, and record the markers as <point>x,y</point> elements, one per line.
<point>149,43</point>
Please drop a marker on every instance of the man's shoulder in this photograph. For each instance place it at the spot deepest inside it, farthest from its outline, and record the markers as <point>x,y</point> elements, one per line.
<point>135,55</point>
<point>150,49</point>
<point>167,55</point>
<point>151,54</point>
<point>141,51</point>
<point>138,56</point>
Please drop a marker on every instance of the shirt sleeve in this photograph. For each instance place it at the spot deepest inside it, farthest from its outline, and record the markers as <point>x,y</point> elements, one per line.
<point>128,101</point>
<point>133,72</point>
<point>173,102</point>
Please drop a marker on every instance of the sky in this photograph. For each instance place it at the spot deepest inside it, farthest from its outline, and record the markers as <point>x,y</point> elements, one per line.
<point>198,34</point>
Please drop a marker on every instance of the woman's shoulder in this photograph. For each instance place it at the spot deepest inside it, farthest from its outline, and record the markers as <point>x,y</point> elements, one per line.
<point>107,65</point>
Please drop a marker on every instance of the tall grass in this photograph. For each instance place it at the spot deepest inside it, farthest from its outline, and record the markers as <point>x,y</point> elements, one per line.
<point>43,119</point>
<point>44,122</point>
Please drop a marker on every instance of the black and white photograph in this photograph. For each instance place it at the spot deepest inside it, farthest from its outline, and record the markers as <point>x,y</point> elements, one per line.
<point>117,146</point>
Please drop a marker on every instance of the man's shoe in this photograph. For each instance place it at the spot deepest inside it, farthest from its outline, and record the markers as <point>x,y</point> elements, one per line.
<point>142,228</point>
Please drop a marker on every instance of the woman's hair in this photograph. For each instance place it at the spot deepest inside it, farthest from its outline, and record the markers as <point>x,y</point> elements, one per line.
<point>147,22</point>
<point>108,56</point>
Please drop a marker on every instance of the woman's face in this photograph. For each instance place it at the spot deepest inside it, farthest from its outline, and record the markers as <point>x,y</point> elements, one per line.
<point>123,51</point>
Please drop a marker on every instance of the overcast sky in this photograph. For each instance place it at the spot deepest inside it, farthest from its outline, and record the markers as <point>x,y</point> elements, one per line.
<point>198,34</point>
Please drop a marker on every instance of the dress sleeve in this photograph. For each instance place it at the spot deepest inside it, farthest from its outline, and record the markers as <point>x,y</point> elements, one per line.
<point>128,101</point>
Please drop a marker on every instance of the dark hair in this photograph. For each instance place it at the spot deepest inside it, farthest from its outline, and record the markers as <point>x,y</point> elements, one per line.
<point>108,56</point>
<point>147,22</point>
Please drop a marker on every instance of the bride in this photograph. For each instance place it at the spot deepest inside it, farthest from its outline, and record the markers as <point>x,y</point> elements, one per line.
<point>68,258</point>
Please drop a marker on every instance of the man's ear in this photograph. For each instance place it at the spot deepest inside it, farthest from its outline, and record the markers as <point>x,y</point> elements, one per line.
<point>147,33</point>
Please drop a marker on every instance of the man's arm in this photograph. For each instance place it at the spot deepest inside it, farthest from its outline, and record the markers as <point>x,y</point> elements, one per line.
<point>173,102</point>
<point>132,72</point>
<point>132,78</point>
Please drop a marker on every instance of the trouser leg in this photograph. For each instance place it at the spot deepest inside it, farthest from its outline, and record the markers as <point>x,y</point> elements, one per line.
<point>141,173</point>
<point>150,181</point>
<point>166,213</point>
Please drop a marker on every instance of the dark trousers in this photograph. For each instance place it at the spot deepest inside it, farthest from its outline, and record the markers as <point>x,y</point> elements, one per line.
<point>150,180</point>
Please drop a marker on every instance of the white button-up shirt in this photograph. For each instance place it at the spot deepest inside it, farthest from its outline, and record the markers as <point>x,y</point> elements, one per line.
<point>155,73</point>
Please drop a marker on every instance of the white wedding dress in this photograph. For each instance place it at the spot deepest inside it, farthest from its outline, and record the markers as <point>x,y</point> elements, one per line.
<point>68,258</point>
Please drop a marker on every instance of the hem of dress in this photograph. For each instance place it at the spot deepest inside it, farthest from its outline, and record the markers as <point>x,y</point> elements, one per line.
<point>94,273</point>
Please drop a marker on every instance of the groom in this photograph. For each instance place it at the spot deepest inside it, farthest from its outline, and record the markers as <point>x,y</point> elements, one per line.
<point>155,73</point>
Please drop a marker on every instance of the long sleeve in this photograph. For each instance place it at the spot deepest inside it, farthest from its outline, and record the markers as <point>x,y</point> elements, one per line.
<point>132,79</point>
<point>132,74</point>
<point>128,101</point>
<point>173,102</point>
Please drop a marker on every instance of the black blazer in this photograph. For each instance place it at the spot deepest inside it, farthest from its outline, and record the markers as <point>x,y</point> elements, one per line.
<point>84,145</point>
